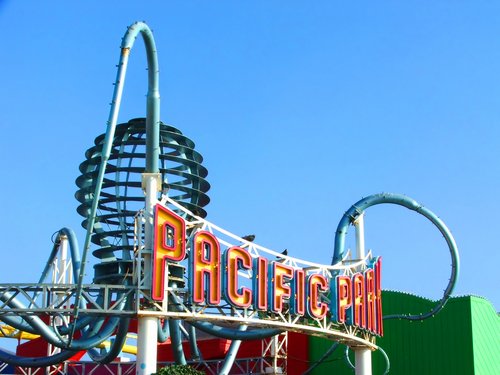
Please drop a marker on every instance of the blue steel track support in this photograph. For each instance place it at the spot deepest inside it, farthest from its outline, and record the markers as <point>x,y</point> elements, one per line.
<point>398,199</point>
<point>97,331</point>
<point>33,324</point>
<point>350,217</point>
<point>152,124</point>
<point>231,354</point>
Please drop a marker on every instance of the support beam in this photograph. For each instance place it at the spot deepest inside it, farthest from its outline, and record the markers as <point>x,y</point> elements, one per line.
<point>359,224</point>
<point>363,361</point>
<point>146,345</point>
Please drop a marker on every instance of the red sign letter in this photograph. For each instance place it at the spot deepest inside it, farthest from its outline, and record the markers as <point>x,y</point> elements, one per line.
<point>317,284</point>
<point>169,244</point>
<point>371,322</point>
<point>280,289</point>
<point>205,265</point>
<point>298,301</point>
<point>357,316</point>
<point>378,294</point>
<point>342,298</point>
<point>259,283</point>
<point>234,258</point>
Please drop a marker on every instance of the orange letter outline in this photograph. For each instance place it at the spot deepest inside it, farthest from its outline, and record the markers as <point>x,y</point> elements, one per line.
<point>169,244</point>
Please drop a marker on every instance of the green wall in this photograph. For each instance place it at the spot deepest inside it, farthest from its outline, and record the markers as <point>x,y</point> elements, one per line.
<point>462,339</point>
<point>485,337</point>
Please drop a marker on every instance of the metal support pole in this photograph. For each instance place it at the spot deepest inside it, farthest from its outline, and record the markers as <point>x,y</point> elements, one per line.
<point>359,224</point>
<point>61,274</point>
<point>58,277</point>
<point>148,326</point>
<point>274,352</point>
<point>146,345</point>
<point>363,356</point>
<point>363,361</point>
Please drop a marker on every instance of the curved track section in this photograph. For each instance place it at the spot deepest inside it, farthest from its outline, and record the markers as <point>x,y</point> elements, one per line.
<point>355,211</point>
<point>91,332</point>
<point>82,331</point>
<point>359,207</point>
<point>110,195</point>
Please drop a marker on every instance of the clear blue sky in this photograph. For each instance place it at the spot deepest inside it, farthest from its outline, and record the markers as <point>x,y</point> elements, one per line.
<point>299,108</point>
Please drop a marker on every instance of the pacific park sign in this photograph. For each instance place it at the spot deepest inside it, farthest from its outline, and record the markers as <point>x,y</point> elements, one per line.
<point>340,298</point>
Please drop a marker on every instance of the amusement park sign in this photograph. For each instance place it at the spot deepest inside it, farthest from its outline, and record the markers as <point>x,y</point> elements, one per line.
<point>345,296</point>
<point>230,280</point>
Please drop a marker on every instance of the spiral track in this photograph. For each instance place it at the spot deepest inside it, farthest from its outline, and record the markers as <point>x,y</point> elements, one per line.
<point>122,196</point>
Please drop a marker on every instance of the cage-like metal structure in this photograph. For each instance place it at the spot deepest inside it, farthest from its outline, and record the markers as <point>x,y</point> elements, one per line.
<point>122,196</point>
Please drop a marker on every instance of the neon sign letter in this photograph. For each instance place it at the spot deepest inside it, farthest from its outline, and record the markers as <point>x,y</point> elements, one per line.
<point>297,302</point>
<point>169,244</point>
<point>204,269</point>
<point>370,299</point>
<point>259,283</point>
<point>278,285</point>
<point>357,316</point>
<point>316,284</point>
<point>378,296</point>
<point>236,258</point>
<point>342,299</point>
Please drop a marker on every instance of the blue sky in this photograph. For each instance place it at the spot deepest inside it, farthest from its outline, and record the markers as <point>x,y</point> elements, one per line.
<point>299,109</point>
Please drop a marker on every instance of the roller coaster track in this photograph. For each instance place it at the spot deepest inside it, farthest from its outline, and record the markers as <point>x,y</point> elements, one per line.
<point>83,317</point>
<point>87,315</point>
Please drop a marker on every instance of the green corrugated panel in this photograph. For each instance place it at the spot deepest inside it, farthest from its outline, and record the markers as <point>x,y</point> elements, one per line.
<point>440,345</point>
<point>485,337</point>
<point>317,347</point>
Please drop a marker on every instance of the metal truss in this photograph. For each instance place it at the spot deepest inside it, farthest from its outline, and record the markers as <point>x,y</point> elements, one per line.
<point>242,366</point>
<point>195,223</point>
<point>57,299</point>
<point>274,354</point>
<point>52,370</point>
